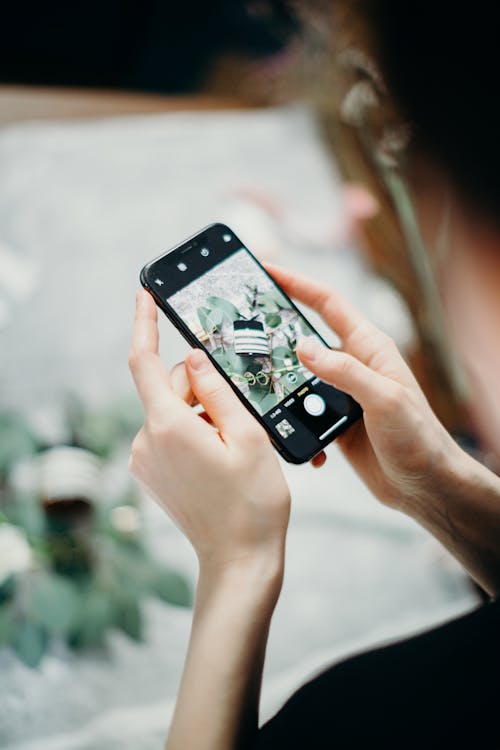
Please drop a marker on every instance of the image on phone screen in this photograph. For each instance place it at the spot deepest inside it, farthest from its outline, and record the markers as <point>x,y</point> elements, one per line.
<point>250,328</point>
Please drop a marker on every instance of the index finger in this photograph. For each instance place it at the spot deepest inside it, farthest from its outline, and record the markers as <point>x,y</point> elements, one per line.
<point>360,337</point>
<point>333,308</point>
<point>150,374</point>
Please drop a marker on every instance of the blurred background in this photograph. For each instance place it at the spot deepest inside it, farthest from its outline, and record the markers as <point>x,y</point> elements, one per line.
<point>125,127</point>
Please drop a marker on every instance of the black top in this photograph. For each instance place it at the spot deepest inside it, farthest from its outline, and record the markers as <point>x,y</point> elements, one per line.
<point>437,690</point>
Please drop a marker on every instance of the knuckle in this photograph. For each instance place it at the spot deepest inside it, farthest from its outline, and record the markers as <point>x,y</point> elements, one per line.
<point>395,396</point>
<point>388,342</point>
<point>383,338</point>
<point>253,434</point>
<point>161,430</point>
<point>345,365</point>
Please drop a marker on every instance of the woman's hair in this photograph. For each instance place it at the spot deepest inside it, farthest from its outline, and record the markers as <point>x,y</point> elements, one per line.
<point>440,62</point>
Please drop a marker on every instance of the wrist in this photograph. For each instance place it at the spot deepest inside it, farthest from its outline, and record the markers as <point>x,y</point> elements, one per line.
<point>444,476</point>
<point>256,577</point>
<point>453,486</point>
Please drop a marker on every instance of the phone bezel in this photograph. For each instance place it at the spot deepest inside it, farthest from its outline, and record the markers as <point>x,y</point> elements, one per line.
<point>183,329</point>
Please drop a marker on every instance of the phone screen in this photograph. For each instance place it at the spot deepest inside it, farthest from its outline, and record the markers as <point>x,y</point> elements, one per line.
<point>229,304</point>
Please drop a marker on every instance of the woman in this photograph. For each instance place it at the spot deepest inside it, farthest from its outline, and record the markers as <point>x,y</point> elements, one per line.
<point>226,492</point>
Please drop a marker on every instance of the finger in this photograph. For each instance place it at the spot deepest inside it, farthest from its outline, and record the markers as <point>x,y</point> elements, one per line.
<point>318,460</point>
<point>205,416</point>
<point>149,373</point>
<point>217,396</point>
<point>359,336</point>
<point>337,312</point>
<point>180,383</point>
<point>342,370</point>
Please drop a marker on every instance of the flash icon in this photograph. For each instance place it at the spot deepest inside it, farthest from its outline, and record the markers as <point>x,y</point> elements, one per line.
<point>159,282</point>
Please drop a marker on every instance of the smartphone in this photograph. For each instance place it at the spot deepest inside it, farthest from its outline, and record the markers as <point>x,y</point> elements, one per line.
<point>222,300</point>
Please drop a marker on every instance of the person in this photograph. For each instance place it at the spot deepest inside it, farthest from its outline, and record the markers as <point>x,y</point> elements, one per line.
<point>219,478</point>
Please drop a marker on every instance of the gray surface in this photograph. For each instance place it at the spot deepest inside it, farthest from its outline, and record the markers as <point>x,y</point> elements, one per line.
<point>82,207</point>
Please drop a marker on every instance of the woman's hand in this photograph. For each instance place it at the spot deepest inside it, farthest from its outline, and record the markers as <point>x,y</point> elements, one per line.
<point>221,482</point>
<point>399,448</point>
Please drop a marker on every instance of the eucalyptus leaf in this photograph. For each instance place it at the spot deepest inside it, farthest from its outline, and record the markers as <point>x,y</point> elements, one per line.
<point>280,300</point>
<point>230,311</point>
<point>128,618</point>
<point>262,399</point>
<point>98,432</point>
<point>172,587</point>
<point>281,353</point>
<point>55,603</point>
<point>241,363</point>
<point>7,589</point>
<point>268,402</point>
<point>95,617</point>
<point>30,642</point>
<point>206,323</point>
<point>16,440</point>
<point>273,320</point>
<point>271,302</point>
<point>7,624</point>
<point>27,512</point>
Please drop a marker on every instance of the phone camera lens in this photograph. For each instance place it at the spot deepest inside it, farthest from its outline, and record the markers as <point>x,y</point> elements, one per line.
<point>204,251</point>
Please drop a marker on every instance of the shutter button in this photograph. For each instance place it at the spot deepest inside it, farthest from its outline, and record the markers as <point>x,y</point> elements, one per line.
<point>314,405</point>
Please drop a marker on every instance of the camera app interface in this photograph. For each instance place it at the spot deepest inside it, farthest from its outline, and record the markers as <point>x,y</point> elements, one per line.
<point>251,329</point>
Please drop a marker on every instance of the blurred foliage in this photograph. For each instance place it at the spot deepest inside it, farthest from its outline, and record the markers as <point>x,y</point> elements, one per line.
<point>69,570</point>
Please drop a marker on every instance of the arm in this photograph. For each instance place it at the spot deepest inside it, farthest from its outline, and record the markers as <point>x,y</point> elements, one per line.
<point>218,702</point>
<point>400,449</point>
<point>225,490</point>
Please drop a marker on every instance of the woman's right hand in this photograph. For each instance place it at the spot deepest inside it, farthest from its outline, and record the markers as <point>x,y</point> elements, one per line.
<point>399,448</point>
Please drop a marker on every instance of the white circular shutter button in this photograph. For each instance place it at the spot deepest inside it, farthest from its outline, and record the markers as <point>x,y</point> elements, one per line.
<point>314,405</point>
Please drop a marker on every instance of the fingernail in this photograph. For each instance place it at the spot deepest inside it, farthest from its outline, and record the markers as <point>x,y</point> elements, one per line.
<point>197,360</point>
<point>310,347</point>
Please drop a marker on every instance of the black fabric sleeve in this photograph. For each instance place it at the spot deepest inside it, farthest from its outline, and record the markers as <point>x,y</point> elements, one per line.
<point>436,690</point>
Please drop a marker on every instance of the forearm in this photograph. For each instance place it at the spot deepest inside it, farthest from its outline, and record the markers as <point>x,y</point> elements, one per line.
<point>463,512</point>
<point>217,706</point>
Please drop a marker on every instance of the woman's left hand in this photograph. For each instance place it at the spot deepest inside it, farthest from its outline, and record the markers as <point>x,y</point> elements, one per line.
<point>221,482</point>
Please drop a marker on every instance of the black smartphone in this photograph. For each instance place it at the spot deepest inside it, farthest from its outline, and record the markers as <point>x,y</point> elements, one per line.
<point>222,300</point>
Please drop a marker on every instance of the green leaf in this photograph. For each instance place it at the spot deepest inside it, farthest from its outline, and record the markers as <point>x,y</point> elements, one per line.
<point>273,320</point>
<point>280,300</point>
<point>304,327</point>
<point>7,624</point>
<point>268,402</point>
<point>262,398</point>
<point>281,353</point>
<point>211,320</point>
<point>16,440</point>
<point>230,311</point>
<point>55,603</point>
<point>172,587</point>
<point>128,618</point>
<point>7,589</point>
<point>26,511</point>
<point>30,642</point>
<point>204,318</point>
<point>95,617</point>
<point>272,301</point>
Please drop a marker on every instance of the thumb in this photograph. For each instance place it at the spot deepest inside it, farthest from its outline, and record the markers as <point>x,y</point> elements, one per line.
<point>345,372</point>
<point>216,395</point>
